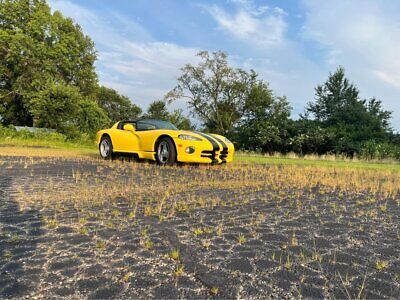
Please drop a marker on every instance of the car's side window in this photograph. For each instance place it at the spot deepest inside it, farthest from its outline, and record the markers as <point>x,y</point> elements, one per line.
<point>140,126</point>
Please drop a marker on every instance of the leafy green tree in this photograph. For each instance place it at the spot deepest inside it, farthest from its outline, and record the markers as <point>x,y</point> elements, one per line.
<point>179,120</point>
<point>158,110</point>
<point>62,107</point>
<point>265,120</point>
<point>308,136</point>
<point>36,46</point>
<point>91,117</point>
<point>56,106</point>
<point>116,106</point>
<point>350,120</point>
<point>215,92</point>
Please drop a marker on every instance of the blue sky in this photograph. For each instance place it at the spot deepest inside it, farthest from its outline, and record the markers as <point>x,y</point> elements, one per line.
<point>293,45</point>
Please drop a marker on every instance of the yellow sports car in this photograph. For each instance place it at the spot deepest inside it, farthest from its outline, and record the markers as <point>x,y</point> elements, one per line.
<point>163,142</point>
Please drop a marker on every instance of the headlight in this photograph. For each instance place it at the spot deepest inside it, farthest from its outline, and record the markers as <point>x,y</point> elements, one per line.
<point>187,137</point>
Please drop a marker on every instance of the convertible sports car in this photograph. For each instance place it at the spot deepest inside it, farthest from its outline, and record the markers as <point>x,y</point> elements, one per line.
<point>163,142</point>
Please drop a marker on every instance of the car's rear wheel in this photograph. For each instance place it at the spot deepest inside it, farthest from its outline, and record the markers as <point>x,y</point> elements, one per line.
<point>106,148</point>
<point>165,152</point>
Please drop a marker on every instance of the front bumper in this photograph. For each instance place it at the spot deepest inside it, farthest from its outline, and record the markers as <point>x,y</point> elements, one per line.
<point>203,153</point>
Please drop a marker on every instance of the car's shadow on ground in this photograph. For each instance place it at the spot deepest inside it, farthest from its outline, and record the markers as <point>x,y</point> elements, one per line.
<point>135,159</point>
<point>20,232</point>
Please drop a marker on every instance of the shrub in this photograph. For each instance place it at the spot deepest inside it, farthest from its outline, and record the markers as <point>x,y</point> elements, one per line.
<point>372,150</point>
<point>9,132</point>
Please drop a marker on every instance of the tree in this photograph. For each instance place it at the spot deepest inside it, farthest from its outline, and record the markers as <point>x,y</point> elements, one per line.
<point>91,117</point>
<point>158,110</point>
<point>116,106</point>
<point>264,122</point>
<point>56,106</point>
<point>308,136</point>
<point>179,120</point>
<point>62,107</point>
<point>348,119</point>
<point>37,46</point>
<point>215,92</point>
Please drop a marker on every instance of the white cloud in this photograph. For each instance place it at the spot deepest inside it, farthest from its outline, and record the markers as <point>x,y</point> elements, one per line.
<point>259,25</point>
<point>147,70</point>
<point>390,79</point>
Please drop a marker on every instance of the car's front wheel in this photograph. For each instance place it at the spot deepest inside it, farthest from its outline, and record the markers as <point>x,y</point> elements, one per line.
<point>106,148</point>
<point>165,152</point>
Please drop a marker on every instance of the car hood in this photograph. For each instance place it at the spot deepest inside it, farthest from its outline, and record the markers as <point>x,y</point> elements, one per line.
<point>198,134</point>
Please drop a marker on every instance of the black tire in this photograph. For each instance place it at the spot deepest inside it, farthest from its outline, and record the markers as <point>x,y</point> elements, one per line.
<point>165,152</point>
<point>106,148</point>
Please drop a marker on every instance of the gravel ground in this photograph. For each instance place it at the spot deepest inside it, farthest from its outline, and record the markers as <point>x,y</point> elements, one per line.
<point>255,243</point>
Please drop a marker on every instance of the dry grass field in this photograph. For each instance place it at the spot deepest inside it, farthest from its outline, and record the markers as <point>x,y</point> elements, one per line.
<point>72,225</point>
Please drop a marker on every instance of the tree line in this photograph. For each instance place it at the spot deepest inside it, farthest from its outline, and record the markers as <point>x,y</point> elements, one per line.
<point>48,79</point>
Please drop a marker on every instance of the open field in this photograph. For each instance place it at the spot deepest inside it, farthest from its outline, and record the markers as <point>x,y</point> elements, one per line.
<point>38,149</point>
<point>73,225</point>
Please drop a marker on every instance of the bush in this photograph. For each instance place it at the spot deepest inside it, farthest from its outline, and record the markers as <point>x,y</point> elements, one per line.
<point>10,133</point>
<point>371,150</point>
<point>41,134</point>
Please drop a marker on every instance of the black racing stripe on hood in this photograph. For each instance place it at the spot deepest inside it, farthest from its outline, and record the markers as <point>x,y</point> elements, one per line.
<point>211,140</point>
<point>224,146</point>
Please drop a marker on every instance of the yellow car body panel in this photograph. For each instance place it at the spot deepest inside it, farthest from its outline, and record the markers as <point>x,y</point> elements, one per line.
<point>211,148</point>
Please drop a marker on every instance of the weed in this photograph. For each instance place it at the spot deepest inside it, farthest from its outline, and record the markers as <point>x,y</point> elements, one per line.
<point>214,291</point>
<point>273,256</point>
<point>148,244</point>
<point>126,277</point>
<point>179,270</point>
<point>84,231</point>
<point>174,254</point>
<point>381,264</point>
<point>7,255</point>
<point>132,215</point>
<point>198,231</point>
<point>289,263</point>
<point>316,257</point>
<point>52,223</point>
<point>219,230</point>
<point>303,258</point>
<point>294,241</point>
<point>206,244</point>
<point>241,239</point>
<point>383,208</point>
<point>115,213</point>
<point>101,245</point>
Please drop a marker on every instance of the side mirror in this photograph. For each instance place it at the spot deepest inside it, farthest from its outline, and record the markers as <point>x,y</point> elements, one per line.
<point>129,127</point>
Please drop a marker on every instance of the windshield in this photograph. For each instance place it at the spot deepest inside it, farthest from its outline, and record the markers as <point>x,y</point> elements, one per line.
<point>154,124</point>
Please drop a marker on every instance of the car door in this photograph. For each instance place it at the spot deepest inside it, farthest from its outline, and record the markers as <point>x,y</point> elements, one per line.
<point>125,141</point>
<point>147,139</point>
<point>147,133</point>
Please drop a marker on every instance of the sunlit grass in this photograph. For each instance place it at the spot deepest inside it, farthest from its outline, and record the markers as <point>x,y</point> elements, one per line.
<point>30,151</point>
<point>323,161</point>
<point>41,142</point>
<point>65,149</point>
